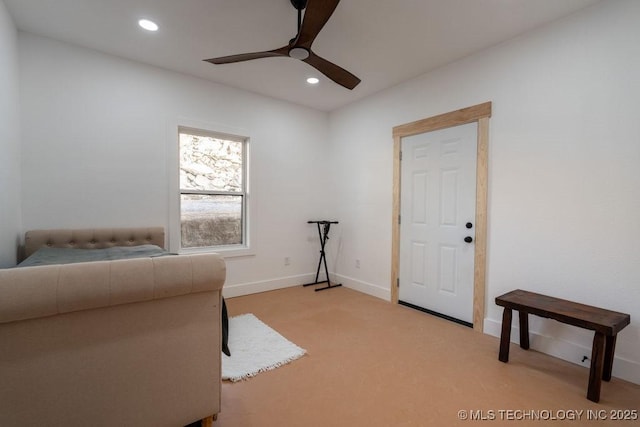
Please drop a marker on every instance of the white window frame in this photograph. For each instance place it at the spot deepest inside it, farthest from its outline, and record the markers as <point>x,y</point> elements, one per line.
<point>215,131</point>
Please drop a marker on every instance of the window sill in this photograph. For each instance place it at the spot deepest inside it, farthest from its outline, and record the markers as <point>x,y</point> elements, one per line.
<point>225,252</point>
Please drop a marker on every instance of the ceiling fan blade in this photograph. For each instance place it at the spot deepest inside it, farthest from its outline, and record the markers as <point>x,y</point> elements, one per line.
<point>331,70</point>
<point>316,15</point>
<point>283,51</point>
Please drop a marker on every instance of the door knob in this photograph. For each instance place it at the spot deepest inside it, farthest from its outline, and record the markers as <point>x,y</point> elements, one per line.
<point>468,239</point>
<point>469,225</point>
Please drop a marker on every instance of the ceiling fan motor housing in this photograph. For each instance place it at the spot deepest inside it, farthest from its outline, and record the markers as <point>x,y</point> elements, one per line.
<point>299,53</point>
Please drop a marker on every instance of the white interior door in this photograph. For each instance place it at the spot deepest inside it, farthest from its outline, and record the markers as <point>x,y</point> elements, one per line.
<point>437,210</point>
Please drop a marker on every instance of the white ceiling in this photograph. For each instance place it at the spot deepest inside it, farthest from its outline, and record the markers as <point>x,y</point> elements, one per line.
<point>383,42</point>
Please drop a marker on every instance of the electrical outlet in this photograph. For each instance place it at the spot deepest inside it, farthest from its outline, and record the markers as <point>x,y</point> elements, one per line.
<point>357,263</point>
<point>287,260</point>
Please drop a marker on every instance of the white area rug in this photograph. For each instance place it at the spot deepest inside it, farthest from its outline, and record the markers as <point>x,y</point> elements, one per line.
<point>255,348</point>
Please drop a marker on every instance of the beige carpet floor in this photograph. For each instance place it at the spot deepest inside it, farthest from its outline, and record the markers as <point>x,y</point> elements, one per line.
<point>371,363</point>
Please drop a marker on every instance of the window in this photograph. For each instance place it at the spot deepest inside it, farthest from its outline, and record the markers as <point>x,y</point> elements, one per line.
<point>213,195</point>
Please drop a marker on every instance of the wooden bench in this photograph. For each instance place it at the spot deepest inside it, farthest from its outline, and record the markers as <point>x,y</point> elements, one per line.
<point>605,323</point>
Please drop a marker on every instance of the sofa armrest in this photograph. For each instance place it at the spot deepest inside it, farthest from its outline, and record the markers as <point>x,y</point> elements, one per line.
<point>32,292</point>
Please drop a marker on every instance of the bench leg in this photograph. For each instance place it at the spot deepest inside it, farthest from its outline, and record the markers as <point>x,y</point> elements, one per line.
<point>505,335</point>
<point>597,365</point>
<point>609,350</point>
<point>524,329</point>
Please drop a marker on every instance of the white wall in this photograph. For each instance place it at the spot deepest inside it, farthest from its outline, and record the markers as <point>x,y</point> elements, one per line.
<point>96,137</point>
<point>564,178</point>
<point>9,141</point>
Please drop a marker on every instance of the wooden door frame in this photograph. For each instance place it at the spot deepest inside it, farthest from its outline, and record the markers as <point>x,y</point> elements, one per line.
<point>478,113</point>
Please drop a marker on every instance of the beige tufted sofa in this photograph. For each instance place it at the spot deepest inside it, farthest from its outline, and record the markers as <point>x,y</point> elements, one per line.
<point>111,343</point>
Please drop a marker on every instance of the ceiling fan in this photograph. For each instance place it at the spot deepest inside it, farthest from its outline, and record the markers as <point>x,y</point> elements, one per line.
<point>316,15</point>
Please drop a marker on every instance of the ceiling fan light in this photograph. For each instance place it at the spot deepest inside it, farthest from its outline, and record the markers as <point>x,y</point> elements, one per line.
<point>299,53</point>
<point>313,80</point>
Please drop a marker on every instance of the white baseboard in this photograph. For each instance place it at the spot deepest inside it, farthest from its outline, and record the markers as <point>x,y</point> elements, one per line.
<point>364,287</point>
<point>230,291</point>
<point>572,352</point>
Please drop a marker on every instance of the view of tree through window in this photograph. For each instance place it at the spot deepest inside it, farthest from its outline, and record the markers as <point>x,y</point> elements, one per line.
<point>212,190</point>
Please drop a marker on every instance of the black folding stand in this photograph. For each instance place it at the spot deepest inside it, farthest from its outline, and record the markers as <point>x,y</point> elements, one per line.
<point>324,236</point>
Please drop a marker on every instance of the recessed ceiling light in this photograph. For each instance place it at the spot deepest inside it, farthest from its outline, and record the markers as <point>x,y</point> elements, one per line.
<point>313,80</point>
<point>148,25</point>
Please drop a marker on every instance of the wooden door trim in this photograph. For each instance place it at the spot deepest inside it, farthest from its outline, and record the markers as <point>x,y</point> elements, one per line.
<point>478,113</point>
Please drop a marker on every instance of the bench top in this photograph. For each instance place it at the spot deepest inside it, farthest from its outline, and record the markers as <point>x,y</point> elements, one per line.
<point>585,316</point>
